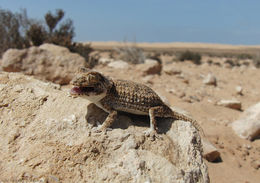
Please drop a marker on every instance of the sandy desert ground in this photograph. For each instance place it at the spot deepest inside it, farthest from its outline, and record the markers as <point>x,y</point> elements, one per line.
<point>187,91</point>
<point>164,47</point>
<point>181,85</point>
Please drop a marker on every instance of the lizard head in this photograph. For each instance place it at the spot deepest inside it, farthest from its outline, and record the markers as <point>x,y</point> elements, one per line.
<point>89,84</point>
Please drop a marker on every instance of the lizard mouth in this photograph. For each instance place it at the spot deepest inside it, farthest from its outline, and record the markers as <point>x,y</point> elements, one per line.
<point>76,90</point>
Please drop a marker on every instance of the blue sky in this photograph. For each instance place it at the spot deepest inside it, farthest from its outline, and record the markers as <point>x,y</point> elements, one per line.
<point>210,21</point>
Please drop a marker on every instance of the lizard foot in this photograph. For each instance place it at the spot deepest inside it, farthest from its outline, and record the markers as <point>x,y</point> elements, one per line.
<point>150,132</point>
<point>101,129</point>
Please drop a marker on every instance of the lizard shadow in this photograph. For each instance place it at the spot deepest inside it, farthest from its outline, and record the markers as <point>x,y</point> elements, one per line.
<point>163,125</point>
<point>96,116</point>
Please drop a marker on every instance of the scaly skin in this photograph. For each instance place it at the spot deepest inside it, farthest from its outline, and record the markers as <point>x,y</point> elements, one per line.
<point>120,95</point>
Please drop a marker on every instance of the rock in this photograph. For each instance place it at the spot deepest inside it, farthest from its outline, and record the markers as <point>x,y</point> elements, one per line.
<point>247,146</point>
<point>239,90</point>
<point>181,94</point>
<point>119,64</point>
<point>105,61</point>
<point>248,125</point>
<point>148,79</point>
<point>233,104</point>
<point>150,67</point>
<point>51,140</point>
<point>185,80</point>
<point>47,62</point>
<point>210,80</point>
<point>171,90</point>
<point>171,70</point>
<point>177,93</point>
<point>255,164</point>
<point>210,152</point>
<point>186,136</point>
<point>55,49</point>
<point>181,111</point>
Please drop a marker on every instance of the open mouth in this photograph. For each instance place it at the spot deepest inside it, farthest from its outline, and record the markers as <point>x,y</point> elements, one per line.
<point>76,90</point>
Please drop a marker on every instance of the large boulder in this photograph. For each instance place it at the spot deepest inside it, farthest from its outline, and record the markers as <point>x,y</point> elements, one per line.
<point>47,62</point>
<point>248,125</point>
<point>45,138</point>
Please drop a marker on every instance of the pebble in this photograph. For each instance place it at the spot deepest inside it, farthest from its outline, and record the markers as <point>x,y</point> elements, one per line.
<point>210,152</point>
<point>210,79</point>
<point>171,71</point>
<point>255,164</point>
<point>239,90</point>
<point>233,104</point>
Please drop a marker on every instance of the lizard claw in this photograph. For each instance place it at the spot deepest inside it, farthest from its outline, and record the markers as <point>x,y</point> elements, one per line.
<point>101,129</point>
<point>150,132</point>
<point>96,130</point>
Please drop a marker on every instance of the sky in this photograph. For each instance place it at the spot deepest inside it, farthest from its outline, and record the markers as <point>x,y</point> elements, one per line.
<point>207,21</point>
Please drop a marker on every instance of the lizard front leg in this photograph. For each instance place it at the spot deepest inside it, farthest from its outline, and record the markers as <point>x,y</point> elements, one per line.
<point>112,114</point>
<point>109,120</point>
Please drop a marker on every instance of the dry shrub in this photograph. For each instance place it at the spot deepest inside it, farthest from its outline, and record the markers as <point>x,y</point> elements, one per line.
<point>12,26</point>
<point>18,31</point>
<point>131,53</point>
<point>192,56</point>
<point>244,56</point>
<point>36,34</point>
<point>84,50</point>
<point>256,60</point>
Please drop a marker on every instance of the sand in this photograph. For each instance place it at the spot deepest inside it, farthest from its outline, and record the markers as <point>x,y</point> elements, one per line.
<point>189,93</point>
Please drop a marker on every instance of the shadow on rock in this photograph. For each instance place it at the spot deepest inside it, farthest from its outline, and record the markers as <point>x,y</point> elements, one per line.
<point>96,116</point>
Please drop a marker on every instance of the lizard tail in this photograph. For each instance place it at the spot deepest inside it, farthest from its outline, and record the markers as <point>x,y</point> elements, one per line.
<point>180,116</point>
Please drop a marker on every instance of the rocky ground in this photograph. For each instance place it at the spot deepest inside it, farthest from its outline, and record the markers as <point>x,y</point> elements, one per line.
<point>47,138</point>
<point>239,157</point>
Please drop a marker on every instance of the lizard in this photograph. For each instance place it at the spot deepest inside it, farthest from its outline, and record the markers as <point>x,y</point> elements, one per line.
<point>113,96</point>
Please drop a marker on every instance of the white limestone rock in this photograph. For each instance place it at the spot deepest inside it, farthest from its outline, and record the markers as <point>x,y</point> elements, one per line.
<point>248,125</point>
<point>210,79</point>
<point>119,64</point>
<point>233,104</point>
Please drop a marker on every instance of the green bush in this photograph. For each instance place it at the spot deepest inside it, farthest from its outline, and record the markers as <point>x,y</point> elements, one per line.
<point>192,56</point>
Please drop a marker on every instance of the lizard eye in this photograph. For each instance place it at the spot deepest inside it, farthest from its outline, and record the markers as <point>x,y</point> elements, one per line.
<point>83,70</point>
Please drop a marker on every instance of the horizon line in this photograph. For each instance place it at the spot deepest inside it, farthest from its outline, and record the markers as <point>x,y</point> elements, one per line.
<point>172,43</point>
